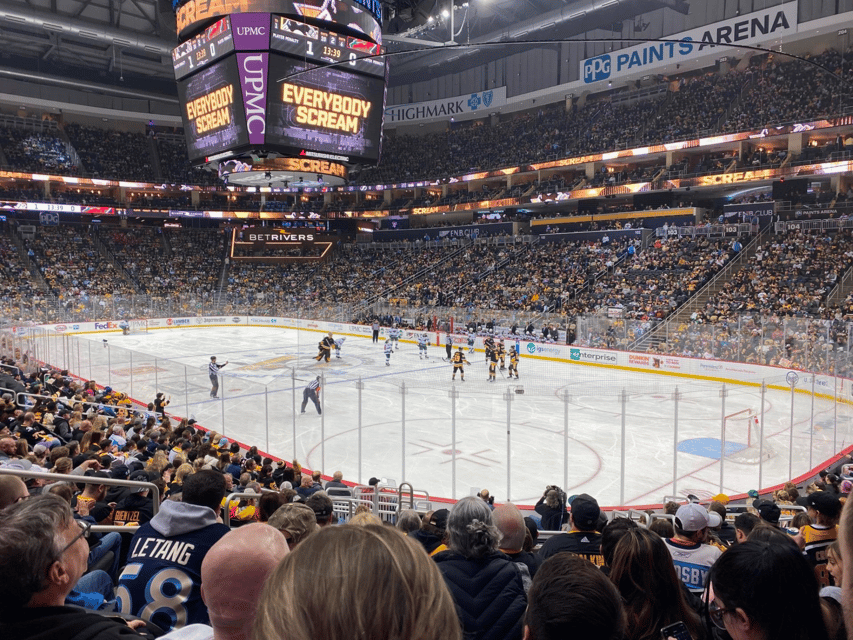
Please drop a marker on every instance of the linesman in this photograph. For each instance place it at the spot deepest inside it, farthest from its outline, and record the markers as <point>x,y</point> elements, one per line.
<point>213,374</point>
<point>513,362</point>
<point>312,393</point>
<point>459,360</point>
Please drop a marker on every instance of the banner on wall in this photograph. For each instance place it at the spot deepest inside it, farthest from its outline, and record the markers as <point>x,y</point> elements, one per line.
<point>765,26</point>
<point>472,103</point>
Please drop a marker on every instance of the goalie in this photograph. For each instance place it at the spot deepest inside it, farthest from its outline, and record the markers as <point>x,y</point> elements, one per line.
<point>124,325</point>
<point>325,348</point>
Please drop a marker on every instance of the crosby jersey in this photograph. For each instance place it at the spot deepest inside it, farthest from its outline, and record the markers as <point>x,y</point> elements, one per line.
<point>458,358</point>
<point>692,562</point>
<point>161,581</point>
<point>513,357</point>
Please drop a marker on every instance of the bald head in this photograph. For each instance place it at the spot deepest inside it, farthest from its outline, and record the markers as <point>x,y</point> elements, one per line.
<point>12,489</point>
<point>7,446</point>
<point>233,573</point>
<point>509,521</point>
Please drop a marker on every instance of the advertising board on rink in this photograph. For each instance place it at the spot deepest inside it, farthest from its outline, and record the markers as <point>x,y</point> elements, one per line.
<point>778,377</point>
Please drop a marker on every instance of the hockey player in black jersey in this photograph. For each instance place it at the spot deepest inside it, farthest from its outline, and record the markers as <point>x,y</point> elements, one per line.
<point>458,360</point>
<point>325,347</point>
<point>493,363</point>
<point>489,345</point>
<point>513,362</point>
<point>501,350</point>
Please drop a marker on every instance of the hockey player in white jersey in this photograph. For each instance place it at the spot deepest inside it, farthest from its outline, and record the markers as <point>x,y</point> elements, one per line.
<point>394,334</point>
<point>388,351</point>
<point>472,339</point>
<point>423,341</point>
<point>338,344</point>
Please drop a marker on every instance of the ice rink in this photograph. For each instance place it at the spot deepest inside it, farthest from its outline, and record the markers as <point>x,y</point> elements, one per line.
<point>410,421</point>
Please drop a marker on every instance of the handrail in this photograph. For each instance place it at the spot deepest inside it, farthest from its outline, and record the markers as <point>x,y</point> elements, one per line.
<point>79,479</point>
<point>61,400</point>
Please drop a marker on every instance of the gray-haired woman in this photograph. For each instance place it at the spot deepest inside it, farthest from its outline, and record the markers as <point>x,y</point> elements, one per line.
<point>487,586</point>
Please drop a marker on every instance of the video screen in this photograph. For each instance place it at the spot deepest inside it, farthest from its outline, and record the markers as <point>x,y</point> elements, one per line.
<point>331,111</point>
<point>358,16</point>
<point>213,115</point>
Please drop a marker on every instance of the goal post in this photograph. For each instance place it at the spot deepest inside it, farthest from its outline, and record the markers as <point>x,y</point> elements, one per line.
<point>742,433</point>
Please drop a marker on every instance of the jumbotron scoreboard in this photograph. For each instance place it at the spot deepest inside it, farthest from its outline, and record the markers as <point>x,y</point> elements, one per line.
<point>261,80</point>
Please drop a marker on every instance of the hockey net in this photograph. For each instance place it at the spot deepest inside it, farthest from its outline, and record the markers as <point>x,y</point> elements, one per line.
<point>743,438</point>
<point>137,326</point>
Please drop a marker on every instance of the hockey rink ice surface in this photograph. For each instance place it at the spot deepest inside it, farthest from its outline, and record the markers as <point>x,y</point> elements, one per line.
<point>266,364</point>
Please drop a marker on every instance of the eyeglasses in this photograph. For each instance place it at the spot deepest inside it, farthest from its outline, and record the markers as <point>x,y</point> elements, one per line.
<point>715,612</point>
<point>85,527</point>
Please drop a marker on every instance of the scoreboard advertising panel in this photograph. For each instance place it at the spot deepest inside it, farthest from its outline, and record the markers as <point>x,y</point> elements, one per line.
<point>212,111</point>
<point>356,16</point>
<point>327,110</point>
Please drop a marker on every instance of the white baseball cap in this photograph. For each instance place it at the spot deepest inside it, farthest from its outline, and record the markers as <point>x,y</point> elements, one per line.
<point>694,517</point>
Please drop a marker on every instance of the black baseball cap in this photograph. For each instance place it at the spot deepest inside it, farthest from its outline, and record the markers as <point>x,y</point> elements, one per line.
<point>824,502</point>
<point>768,510</point>
<point>585,511</point>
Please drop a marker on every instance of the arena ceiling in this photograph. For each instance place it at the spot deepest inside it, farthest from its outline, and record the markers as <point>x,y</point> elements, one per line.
<point>125,44</point>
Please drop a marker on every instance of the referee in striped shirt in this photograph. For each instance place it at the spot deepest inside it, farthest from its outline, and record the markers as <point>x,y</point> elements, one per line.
<point>213,372</point>
<point>311,392</point>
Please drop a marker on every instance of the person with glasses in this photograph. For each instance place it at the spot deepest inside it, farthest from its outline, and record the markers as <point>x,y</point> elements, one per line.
<point>746,585</point>
<point>43,554</point>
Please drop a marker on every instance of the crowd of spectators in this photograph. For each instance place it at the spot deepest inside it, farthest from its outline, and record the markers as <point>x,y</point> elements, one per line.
<point>36,151</point>
<point>121,155</point>
<point>72,266</point>
<point>474,570</point>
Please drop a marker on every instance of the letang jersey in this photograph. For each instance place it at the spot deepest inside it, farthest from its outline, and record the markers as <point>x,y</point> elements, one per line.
<point>162,579</point>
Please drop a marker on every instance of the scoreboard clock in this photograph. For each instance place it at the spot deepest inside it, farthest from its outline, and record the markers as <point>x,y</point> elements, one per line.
<point>210,45</point>
<point>307,41</point>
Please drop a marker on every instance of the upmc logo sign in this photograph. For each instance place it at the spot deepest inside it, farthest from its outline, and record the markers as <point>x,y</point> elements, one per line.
<point>595,69</point>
